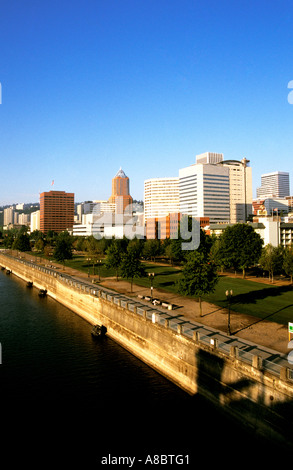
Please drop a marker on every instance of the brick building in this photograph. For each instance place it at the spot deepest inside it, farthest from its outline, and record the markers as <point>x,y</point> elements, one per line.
<point>56,211</point>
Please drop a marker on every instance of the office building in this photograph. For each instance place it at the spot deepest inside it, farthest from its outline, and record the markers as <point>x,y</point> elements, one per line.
<point>108,225</point>
<point>204,190</point>
<point>240,176</point>
<point>8,216</point>
<point>56,211</point>
<point>161,197</point>
<point>209,157</point>
<point>271,206</point>
<point>35,221</point>
<point>274,184</point>
<point>23,219</point>
<point>120,193</point>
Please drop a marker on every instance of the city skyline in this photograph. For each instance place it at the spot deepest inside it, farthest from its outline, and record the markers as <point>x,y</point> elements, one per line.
<point>87,89</point>
<point>255,196</point>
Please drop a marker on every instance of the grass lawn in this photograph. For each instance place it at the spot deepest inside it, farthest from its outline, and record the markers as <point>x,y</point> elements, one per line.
<point>254,298</point>
<point>249,297</point>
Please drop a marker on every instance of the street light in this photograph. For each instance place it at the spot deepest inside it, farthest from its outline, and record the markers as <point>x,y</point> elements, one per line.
<point>151,276</point>
<point>229,295</point>
<point>99,265</point>
<point>88,271</point>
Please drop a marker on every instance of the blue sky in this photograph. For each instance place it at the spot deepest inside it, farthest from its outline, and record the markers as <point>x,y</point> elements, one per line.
<point>89,86</point>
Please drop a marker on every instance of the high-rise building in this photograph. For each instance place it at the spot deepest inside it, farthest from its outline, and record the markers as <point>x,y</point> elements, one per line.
<point>35,221</point>
<point>209,157</point>
<point>275,184</point>
<point>8,216</point>
<point>56,211</point>
<point>120,193</point>
<point>161,206</point>
<point>204,191</point>
<point>240,176</point>
<point>161,197</point>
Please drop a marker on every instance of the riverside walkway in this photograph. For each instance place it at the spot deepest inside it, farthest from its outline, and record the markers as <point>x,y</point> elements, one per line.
<point>262,357</point>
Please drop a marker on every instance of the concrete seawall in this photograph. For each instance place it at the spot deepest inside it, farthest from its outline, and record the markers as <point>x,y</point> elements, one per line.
<point>261,398</point>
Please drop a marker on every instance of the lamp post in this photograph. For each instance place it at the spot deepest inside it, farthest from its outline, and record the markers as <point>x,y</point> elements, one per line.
<point>99,265</point>
<point>88,271</point>
<point>229,295</point>
<point>151,276</point>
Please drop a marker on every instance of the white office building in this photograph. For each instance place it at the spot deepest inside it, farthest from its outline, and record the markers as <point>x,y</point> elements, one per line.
<point>274,184</point>
<point>108,225</point>
<point>35,221</point>
<point>161,197</point>
<point>204,190</point>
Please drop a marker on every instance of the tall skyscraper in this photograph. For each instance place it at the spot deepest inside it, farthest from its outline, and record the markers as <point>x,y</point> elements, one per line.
<point>204,191</point>
<point>240,176</point>
<point>56,211</point>
<point>120,193</point>
<point>275,184</point>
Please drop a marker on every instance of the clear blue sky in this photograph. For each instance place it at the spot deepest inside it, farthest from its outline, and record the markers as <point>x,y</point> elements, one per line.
<point>92,85</point>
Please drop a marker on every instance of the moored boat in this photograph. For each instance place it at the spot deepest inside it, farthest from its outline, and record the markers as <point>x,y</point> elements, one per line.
<point>98,331</point>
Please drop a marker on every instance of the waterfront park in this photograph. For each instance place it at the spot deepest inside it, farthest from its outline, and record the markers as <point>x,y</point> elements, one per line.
<point>257,279</point>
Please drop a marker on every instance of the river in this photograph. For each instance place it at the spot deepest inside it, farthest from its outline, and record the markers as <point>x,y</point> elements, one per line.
<point>67,398</point>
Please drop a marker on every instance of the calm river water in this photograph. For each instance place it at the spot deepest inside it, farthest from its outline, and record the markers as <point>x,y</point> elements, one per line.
<point>66,398</point>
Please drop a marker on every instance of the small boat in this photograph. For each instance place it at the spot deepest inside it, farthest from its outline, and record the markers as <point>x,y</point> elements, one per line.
<point>42,292</point>
<point>98,331</point>
<point>8,271</point>
<point>29,284</point>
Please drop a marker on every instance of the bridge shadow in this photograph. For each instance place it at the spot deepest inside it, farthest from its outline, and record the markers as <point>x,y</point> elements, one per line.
<point>238,419</point>
<point>262,319</point>
<point>253,296</point>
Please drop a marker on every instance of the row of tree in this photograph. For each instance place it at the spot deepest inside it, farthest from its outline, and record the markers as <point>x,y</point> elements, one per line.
<point>239,247</point>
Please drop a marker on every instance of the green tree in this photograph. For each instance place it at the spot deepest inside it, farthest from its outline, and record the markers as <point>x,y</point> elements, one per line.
<point>271,259</point>
<point>63,247</point>
<point>216,255</point>
<point>137,244</point>
<point>36,235</point>
<point>199,276</point>
<point>113,259</point>
<point>288,262</point>
<point>173,250</point>
<point>79,243</point>
<point>131,266</point>
<point>151,249</point>
<point>22,243</point>
<point>39,244</point>
<point>94,250</point>
<point>8,239</point>
<point>240,247</point>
